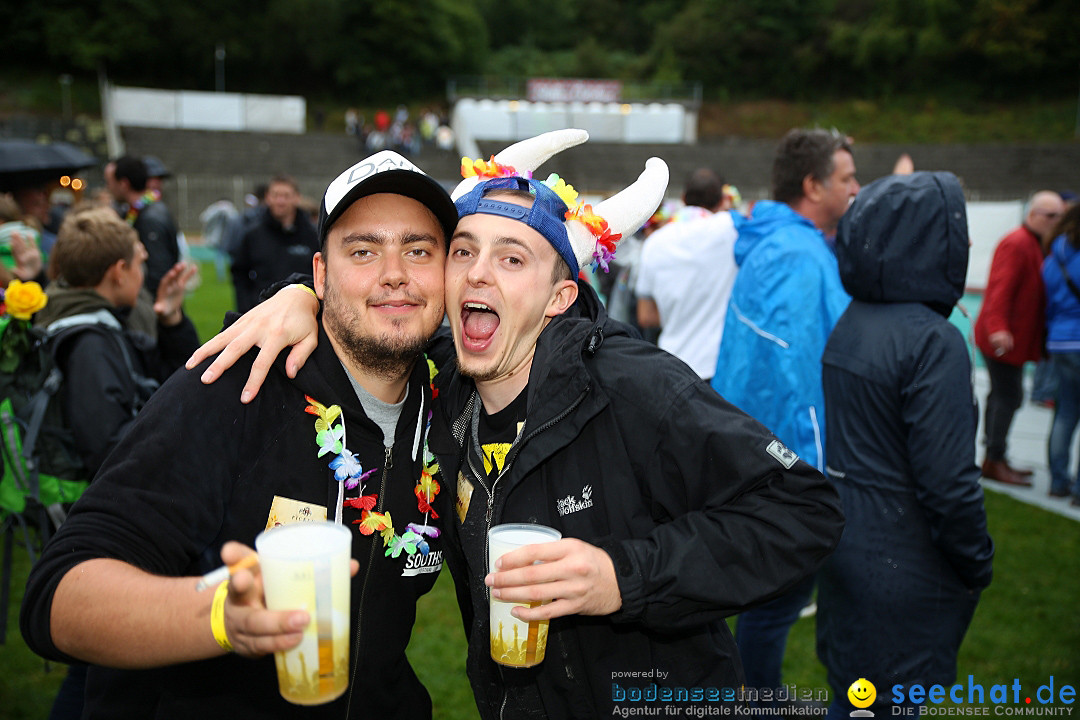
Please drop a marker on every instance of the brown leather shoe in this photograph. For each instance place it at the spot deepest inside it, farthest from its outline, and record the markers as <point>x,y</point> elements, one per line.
<point>1025,472</point>
<point>998,470</point>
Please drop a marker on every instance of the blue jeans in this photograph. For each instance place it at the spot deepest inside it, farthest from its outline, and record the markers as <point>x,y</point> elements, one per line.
<point>1044,387</point>
<point>68,704</point>
<point>1066,417</point>
<point>761,634</point>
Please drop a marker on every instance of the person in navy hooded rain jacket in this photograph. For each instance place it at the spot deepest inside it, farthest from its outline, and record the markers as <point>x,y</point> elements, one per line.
<point>896,598</point>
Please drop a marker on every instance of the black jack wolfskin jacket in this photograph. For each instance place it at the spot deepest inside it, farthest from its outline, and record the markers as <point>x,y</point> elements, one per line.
<point>702,510</point>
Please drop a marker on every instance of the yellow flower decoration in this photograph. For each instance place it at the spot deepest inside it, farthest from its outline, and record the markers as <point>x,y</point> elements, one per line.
<point>24,299</point>
<point>566,193</point>
<point>481,169</point>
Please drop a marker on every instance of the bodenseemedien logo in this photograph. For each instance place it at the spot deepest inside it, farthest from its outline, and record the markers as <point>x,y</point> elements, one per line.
<point>861,694</point>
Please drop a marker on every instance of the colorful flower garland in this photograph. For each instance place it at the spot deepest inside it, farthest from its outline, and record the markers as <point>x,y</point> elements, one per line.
<point>350,475</point>
<point>488,170</point>
<point>583,213</point>
<point>148,197</point>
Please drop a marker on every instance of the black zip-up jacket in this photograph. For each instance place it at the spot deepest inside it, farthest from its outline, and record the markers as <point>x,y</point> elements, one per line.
<point>268,253</point>
<point>702,510</point>
<point>157,233</point>
<point>198,469</point>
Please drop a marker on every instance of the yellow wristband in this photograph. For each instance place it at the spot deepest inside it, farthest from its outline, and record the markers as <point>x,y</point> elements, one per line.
<point>304,287</point>
<point>217,617</point>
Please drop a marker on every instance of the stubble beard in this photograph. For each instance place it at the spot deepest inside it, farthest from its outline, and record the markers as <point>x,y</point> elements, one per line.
<point>389,357</point>
<point>478,372</point>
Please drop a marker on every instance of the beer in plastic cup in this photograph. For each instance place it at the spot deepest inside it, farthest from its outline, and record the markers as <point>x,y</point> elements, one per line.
<point>305,566</point>
<point>516,643</point>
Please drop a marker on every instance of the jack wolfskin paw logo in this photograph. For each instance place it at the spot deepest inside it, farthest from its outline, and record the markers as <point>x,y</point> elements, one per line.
<point>782,454</point>
<point>570,503</point>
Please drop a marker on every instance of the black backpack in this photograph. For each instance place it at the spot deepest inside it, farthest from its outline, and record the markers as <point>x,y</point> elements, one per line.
<point>43,471</point>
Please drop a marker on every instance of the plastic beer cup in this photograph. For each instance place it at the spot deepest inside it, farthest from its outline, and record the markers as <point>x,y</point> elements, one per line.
<point>305,566</point>
<point>516,643</point>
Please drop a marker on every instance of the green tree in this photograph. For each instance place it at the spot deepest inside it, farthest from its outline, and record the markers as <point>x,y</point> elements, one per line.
<point>754,46</point>
<point>397,49</point>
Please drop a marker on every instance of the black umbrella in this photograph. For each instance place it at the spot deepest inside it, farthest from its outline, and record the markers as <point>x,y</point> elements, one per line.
<point>25,163</point>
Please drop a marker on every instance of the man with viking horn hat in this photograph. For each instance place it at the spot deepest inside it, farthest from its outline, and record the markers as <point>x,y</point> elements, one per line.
<point>676,509</point>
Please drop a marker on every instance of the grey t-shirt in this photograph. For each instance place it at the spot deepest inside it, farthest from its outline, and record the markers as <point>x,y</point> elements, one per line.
<point>384,414</point>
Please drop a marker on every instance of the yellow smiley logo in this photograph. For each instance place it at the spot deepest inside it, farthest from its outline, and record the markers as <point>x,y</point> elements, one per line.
<point>862,693</point>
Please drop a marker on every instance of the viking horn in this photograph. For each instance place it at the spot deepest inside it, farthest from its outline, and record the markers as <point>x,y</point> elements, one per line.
<point>527,155</point>
<point>626,211</point>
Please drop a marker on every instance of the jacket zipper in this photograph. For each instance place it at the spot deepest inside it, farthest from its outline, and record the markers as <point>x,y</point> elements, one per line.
<point>491,492</point>
<point>388,463</point>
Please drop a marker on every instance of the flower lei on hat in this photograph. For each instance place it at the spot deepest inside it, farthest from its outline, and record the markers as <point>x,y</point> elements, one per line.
<point>595,232</point>
<point>350,475</point>
<point>606,240</point>
<point>583,213</point>
<point>489,169</point>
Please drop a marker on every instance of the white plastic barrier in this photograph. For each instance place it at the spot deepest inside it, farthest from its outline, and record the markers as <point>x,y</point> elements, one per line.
<point>604,121</point>
<point>192,110</point>
<point>275,113</point>
<point>511,120</point>
<point>145,108</point>
<point>655,123</point>
<point>488,119</point>
<point>210,111</point>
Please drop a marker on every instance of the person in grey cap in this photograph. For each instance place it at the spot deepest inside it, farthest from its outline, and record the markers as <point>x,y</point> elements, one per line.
<point>199,475</point>
<point>897,595</point>
<point>156,172</point>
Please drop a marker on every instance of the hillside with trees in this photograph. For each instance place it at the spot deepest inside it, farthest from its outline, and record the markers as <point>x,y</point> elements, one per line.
<point>976,54</point>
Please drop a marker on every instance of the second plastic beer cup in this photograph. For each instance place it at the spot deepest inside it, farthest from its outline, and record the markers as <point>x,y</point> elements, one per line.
<point>305,566</point>
<point>514,642</point>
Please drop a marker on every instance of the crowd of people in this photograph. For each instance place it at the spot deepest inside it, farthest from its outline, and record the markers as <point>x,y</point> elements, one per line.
<point>399,133</point>
<point>804,376</point>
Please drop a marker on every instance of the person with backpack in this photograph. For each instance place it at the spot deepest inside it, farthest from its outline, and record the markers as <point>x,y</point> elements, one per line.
<point>109,370</point>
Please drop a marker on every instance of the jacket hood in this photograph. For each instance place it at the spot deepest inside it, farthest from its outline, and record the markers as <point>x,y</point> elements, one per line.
<point>66,301</point>
<point>905,239</point>
<point>767,218</point>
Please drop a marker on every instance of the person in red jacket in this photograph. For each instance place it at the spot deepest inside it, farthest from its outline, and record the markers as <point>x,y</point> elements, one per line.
<point>1010,327</point>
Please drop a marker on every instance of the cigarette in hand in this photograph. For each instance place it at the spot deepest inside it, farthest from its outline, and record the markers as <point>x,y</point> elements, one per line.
<point>223,573</point>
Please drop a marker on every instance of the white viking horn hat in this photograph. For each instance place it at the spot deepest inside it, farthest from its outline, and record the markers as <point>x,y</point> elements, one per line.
<point>527,155</point>
<point>624,213</point>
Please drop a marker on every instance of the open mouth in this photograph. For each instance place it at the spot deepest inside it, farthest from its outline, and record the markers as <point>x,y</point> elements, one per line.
<point>479,323</point>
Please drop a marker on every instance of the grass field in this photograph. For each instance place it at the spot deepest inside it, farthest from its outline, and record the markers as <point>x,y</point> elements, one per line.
<point>1025,627</point>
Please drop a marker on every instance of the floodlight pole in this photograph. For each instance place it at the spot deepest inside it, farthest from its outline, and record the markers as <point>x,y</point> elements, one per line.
<point>1076,130</point>
<point>65,97</point>
<point>219,66</point>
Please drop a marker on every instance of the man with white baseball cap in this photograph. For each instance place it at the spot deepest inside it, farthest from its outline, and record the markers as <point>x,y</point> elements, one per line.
<point>200,475</point>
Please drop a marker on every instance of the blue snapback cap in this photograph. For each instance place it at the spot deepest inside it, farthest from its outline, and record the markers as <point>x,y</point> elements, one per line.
<point>546,216</point>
